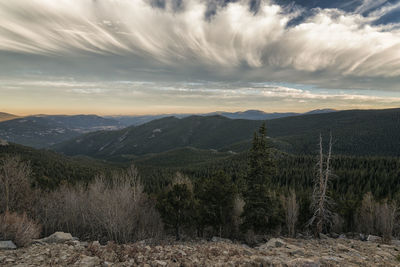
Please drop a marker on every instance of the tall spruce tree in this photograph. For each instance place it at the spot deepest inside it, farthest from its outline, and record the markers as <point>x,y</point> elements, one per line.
<point>260,210</point>
<point>216,198</point>
<point>176,207</point>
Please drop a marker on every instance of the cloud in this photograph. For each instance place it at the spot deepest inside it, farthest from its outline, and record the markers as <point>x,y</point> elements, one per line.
<point>205,90</point>
<point>56,95</point>
<point>246,39</point>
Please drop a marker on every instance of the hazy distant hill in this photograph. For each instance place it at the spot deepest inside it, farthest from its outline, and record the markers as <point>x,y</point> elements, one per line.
<point>6,116</point>
<point>355,132</point>
<point>246,115</point>
<point>43,130</point>
<point>139,120</point>
<point>254,115</point>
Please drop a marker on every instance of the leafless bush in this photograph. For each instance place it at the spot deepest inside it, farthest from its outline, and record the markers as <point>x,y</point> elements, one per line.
<point>18,228</point>
<point>149,223</point>
<point>385,213</point>
<point>291,207</point>
<point>109,209</point>
<point>182,179</point>
<point>238,207</point>
<point>15,188</point>
<point>366,214</point>
<point>377,217</point>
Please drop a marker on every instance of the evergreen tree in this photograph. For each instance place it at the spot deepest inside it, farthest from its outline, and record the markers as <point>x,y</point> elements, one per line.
<point>216,198</point>
<point>176,207</point>
<point>261,208</point>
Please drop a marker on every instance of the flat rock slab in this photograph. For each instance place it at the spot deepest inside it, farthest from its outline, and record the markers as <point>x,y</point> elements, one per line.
<point>7,245</point>
<point>57,237</point>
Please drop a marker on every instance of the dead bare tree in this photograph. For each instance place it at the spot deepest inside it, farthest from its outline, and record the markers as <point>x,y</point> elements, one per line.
<point>321,203</point>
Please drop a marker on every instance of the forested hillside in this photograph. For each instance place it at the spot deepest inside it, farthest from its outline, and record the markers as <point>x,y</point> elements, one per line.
<point>355,132</point>
<point>213,132</point>
<point>50,169</point>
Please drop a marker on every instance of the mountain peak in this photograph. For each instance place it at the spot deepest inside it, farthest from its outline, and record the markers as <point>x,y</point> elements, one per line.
<point>7,116</point>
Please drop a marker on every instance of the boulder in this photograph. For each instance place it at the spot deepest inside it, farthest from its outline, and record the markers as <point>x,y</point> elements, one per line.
<point>274,243</point>
<point>7,245</point>
<point>3,142</point>
<point>160,263</point>
<point>396,242</point>
<point>373,238</point>
<point>334,235</point>
<point>58,237</point>
<point>299,236</point>
<point>219,239</point>
<point>87,261</point>
<point>323,236</point>
<point>303,263</point>
<point>96,244</point>
<point>363,237</point>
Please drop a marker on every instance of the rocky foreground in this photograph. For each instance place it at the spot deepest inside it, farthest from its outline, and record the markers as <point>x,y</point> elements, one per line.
<point>276,252</point>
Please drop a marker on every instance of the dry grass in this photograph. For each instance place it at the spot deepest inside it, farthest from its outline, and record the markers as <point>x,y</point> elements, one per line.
<point>18,228</point>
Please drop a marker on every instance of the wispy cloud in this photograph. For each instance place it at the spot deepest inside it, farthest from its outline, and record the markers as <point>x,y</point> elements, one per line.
<point>145,53</point>
<point>330,40</point>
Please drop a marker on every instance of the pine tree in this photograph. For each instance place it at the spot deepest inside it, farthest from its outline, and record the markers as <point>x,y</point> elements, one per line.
<point>176,207</point>
<point>216,197</point>
<point>260,210</point>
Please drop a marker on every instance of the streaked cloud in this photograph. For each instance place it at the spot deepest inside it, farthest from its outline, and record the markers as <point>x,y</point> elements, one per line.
<point>331,39</point>
<point>143,97</point>
<point>109,47</point>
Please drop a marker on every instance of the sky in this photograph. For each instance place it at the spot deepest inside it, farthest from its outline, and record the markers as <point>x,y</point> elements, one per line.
<point>112,57</point>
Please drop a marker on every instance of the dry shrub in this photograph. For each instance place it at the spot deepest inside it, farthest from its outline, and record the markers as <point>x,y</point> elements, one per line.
<point>366,214</point>
<point>238,207</point>
<point>291,207</point>
<point>18,228</point>
<point>15,188</point>
<point>385,213</point>
<point>107,209</point>
<point>377,217</point>
<point>182,179</point>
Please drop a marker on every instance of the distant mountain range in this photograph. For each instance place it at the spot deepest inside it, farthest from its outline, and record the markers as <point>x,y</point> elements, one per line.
<point>261,115</point>
<point>246,115</point>
<point>45,130</point>
<point>6,116</point>
<point>355,132</point>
